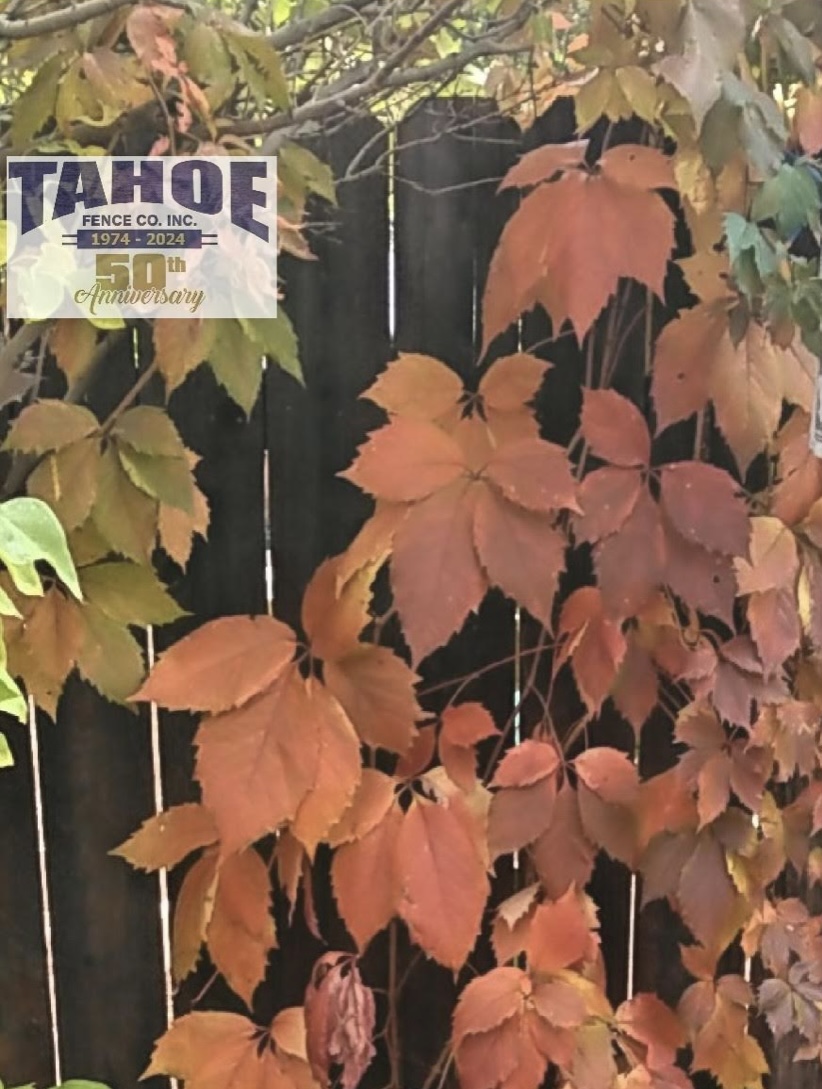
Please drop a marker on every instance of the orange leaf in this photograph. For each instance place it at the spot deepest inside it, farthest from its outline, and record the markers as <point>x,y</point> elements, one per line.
<point>442,880</point>
<point>808,120</point>
<point>192,911</point>
<point>240,932</point>
<point>435,575</point>
<point>534,474</point>
<point>511,923</point>
<point>221,665</point>
<point>773,563</point>
<point>489,1001</point>
<point>614,429</point>
<point>463,727</point>
<point>216,1050</point>
<point>166,839</point>
<point>417,386</point>
<point>333,617</point>
<point>338,770</point>
<point>650,1022</point>
<point>609,774</point>
<point>559,935</point>
<point>376,690</point>
<point>414,762</point>
<point>544,163</point>
<point>405,461</point>
<point>546,252</point>
<point>519,815</point>
<point>527,764</point>
<point>372,800</point>
<point>512,382</point>
<point>638,166</point>
<point>368,864</point>
<point>520,552</point>
<point>256,764</point>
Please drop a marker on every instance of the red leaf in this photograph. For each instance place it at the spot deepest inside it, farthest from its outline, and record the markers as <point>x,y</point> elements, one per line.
<point>368,863</point>
<point>490,1000</point>
<point>521,552</point>
<point>706,894</point>
<point>702,579</point>
<point>240,933</point>
<point>559,936</point>
<point>635,692</point>
<point>775,627</point>
<point>596,646</point>
<point>650,1022</point>
<point>405,461</point>
<point>339,1017</point>
<point>639,166</point>
<point>223,664</point>
<point>607,497</point>
<point>511,923</point>
<point>608,773</point>
<point>256,764</point>
<point>527,764</point>
<point>519,815</point>
<point>563,855</point>
<point>443,882</point>
<point>630,564</point>
<point>615,429</point>
<point>192,911</point>
<point>414,762</point>
<point>703,504</point>
<point>166,839</point>
<point>435,575</point>
<point>463,727</point>
<point>534,474</point>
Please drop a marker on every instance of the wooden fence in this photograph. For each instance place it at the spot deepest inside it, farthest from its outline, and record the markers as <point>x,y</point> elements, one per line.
<point>83,945</point>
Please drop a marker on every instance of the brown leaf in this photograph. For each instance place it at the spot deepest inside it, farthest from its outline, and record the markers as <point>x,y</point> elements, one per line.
<point>368,863</point>
<point>50,425</point>
<point>443,882</point>
<point>240,932</point>
<point>339,1018</point>
<point>563,855</point>
<point>72,342</point>
<point>333,617</point>
<point>519,815</point>
<point>221,665</point>
<point>615,429</point>
<point>414,762</point>
<point>635,692</point>
<point>376,690</point>
<point>630,564</point>
<point>67,481</point>
<point>808,120</point>
<point>773,563</point>
<point>180,346</point>
<point>166,839</point>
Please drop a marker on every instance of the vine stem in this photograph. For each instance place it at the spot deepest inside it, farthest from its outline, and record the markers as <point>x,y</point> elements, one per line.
<point>130,397</point>
<point>469,678</point>
<point>392,1027</point>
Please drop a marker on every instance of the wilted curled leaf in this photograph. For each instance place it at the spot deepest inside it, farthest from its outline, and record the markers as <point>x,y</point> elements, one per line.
<point>339,1016</point>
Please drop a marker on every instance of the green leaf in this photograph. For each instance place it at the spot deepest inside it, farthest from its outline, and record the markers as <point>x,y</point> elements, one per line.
<point>81,1083</point>
<point>110,657</point>
<point>6,755</point>
<point>208,60</point>
<point>276,337</point>
<point>260,67</point>
<point>37,103</point>
<point>752,256</point>
<point>129,593</point>
<point>791,198</point>
<point>166,479</point>
<point>25,578</point>
<point>237,363</point>
<point>30,531</point>
<point>312,174</point>
<point>796,47</point>
<point>12,701</point>
<point>125,516</point>
<point>7,606</point>
<point>150,431</point>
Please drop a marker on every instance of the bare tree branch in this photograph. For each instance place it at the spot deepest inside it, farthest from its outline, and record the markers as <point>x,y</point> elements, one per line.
<point>71,15</point>
<point>303,30</point>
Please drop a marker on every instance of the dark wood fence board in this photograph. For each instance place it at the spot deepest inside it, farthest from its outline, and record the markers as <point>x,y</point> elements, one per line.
<point>26,1051</point>
<point>98,787</point>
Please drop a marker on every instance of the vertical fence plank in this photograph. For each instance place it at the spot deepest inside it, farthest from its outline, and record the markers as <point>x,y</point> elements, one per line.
<point>97,785</point>
<point>339,307</point>
<point>26,1052</point>
<point>450,157</point>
